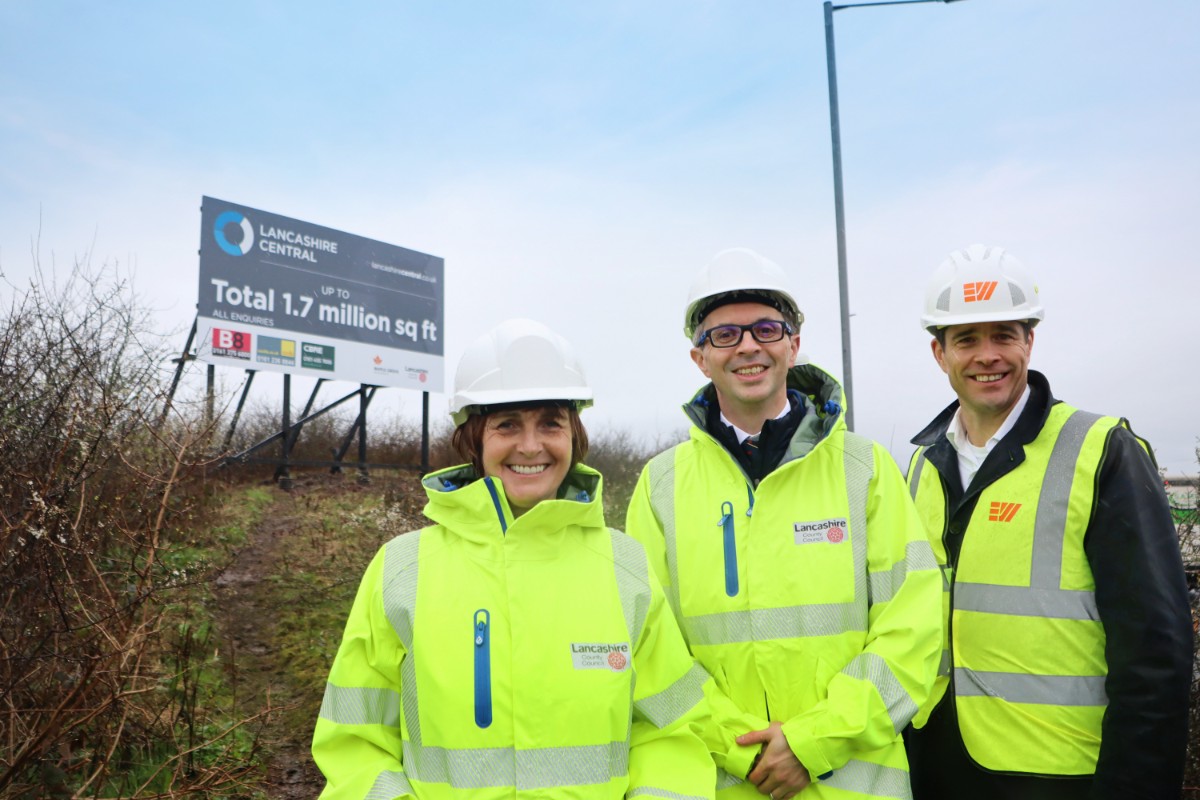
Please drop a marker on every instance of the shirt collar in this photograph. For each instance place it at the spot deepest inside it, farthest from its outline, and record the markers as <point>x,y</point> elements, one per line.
<point>958,435</point>
<point>743,435</point>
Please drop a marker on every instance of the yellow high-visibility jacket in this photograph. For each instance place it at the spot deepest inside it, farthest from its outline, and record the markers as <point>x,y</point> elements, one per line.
<point>1069,654</point>
<point>492,657</point>
<point>1023,581</point>
<point>813,600</point>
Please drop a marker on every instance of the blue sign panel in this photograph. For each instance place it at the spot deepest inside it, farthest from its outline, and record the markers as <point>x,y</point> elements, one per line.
<point>281,294</point>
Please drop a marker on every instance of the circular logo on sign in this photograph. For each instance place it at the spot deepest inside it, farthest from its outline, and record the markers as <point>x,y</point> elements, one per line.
<point>616,660</point>
<point>835,534</point>
<point>222,226</point>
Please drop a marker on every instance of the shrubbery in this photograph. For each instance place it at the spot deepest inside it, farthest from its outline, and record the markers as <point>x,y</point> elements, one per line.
<point>110,540</point>
<point>1188,525</point>
<point>110,680</point>
<point>97,673</point>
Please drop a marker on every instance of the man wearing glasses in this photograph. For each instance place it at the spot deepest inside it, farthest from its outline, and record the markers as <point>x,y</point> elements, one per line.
<point>791,555</point>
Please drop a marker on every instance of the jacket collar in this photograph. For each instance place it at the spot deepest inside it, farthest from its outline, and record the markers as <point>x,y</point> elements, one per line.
<point>1029,424</point>
<point>820,394</point>
<point>1009,452</point>
<point>477,509</point>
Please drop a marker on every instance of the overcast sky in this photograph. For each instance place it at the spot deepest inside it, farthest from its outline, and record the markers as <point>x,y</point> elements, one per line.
<point>578,162</point>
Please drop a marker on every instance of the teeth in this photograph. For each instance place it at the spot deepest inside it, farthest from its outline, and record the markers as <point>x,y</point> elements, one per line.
<point>750,370</point>
<point>532,469</point>
<point>988,378</point>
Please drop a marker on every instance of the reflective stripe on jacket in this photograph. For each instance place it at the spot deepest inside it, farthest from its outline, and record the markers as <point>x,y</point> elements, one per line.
<point>1027,644</point>
<point>493,657</point>
<point>811,600</point>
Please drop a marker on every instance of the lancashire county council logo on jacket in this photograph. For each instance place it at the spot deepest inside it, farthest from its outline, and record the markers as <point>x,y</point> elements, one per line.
<point>831,531</point>
<point>599,655</point>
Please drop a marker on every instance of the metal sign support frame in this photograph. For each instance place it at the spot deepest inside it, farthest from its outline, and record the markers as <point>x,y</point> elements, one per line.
<point>290,431</point>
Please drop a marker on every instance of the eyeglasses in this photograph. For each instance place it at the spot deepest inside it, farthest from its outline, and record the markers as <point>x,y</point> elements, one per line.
<point>764,331</point>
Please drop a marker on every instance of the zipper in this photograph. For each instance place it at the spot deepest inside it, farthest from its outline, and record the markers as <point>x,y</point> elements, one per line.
<point>491,487</point>
<point>483,668</point>
<point>731,572</point>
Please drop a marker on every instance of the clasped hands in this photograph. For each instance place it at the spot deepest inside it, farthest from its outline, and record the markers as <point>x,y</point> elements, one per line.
<point>776,771</point>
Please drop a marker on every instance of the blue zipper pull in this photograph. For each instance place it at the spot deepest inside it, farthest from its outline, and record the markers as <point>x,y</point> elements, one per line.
<point>731,574</point>
<point>750,500</point>
<point>483,669</point>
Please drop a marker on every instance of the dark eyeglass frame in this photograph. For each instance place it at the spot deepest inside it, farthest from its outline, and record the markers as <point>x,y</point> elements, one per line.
<point>756,329</point>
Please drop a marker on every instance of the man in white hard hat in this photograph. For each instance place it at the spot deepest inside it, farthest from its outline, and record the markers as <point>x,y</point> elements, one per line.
<point>792,557</point>
<point>1068,661</point>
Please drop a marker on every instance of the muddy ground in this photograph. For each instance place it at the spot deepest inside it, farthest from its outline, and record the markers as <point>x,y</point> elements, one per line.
<point>297,534</point>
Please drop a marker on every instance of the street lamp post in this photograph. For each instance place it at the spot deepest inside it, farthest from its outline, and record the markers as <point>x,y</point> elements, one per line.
<point>838,207</point>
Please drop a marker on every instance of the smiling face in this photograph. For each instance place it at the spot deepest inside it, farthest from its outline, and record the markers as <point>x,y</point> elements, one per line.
<point>529,451</point>
<point>750,377</point>
<point>988,366</point>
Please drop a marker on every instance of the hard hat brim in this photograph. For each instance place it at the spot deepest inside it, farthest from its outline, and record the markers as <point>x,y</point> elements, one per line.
<point>468,403</point>
<point>932,324</point>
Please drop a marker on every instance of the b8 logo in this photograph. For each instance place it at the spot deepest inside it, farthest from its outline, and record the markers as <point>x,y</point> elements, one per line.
<point>230,340</point>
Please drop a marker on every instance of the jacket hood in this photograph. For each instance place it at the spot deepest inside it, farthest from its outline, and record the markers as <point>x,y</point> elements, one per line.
<point>820,393</point>
<point>477,508</point>
<point>1041,399</point>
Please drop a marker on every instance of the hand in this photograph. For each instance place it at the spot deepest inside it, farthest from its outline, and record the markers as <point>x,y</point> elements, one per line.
<point>777,773</point>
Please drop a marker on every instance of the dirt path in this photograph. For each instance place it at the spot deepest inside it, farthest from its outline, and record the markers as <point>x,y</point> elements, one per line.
<point>248,616</point>
<point>284,597</point>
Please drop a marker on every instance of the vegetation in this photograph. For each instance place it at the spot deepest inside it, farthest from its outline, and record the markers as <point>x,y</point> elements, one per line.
<point>166,625</point>
<point>1187,522</point>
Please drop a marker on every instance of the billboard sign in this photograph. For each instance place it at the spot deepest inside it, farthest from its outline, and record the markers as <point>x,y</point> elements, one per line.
<point>289,296</point>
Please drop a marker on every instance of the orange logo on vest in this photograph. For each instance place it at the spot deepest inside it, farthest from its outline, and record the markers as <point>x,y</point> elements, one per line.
<point>980,290</point>
<point>1003,512</point>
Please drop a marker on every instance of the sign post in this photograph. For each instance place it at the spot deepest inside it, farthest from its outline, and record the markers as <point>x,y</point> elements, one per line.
<point>283,295</point>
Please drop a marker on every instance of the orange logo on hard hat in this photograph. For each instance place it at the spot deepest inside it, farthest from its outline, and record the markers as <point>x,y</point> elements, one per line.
<point>1003,512</point>
<point>980,290</point>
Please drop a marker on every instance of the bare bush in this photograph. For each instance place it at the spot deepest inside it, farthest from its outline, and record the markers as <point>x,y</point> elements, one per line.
<point>87,504</point>
<point>1188,525</point>
<point>391,440</point>
<point>620,456</point>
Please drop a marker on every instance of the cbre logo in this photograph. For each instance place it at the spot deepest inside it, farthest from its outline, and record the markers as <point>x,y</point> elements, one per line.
<point>236,223</point>
<point>1003,512</point>
<point>979,290</point>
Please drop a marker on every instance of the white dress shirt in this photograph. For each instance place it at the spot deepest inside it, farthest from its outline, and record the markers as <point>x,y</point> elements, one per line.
<point>970,457</point>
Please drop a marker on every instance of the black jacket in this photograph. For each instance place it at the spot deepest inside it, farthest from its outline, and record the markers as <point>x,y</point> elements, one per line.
<point>1141,595</point>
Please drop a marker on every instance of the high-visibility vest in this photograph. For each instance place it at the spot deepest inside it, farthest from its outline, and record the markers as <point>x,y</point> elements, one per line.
<point>811,599</point>
<point>491,658</point>
<point>1026,644</point>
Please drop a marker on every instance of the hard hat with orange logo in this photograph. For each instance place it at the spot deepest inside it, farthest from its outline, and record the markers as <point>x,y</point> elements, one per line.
<point>980,284</point>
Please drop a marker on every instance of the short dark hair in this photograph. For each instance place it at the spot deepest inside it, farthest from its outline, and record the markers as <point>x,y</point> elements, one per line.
<point>467,439</point>
<point>940,333</point>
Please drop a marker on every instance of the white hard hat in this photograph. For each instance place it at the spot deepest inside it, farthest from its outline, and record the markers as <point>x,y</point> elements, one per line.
<point>980,284</point>
<point>734,272</point>
<point>518,360</point>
